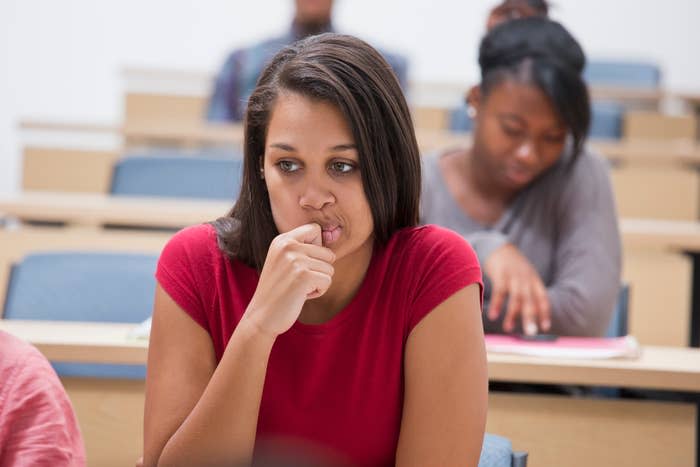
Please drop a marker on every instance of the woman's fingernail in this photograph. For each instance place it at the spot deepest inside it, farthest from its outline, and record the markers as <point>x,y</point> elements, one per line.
<point>546,325</point>
<point>530,329</point>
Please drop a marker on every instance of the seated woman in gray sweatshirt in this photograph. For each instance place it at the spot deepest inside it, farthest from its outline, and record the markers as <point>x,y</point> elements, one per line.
<point>536,205</point>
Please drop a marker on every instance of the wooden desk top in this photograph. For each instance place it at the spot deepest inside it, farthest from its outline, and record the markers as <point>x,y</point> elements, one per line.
<point>57,125</point>
<point>186,135</point>
<point>96,209</point>
<point>654,151</point>
<point>429,140</point>
<point>81,342</point>
<point>175,133</point>
<point>627,94</point>
<point>676,235</point>
<point>624,151</point>
<point>664,368</point>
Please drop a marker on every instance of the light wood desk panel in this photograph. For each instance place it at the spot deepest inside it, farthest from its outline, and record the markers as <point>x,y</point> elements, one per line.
<point>167,109</point>
<point>72,170</point>
<point>669,235</point>
<point>657,261</point>
<point>660,295</point>
<point>96,209</point>
<point>182,135</point>
<point>662,368</point>
<point>110,415</point>
<point>636,98</point>
<point>81,342</point>
<point>189,133</point>
<point>660,278</point>
<point>580,432</point>
<point>657,270</point>
<point>658,126</point>
<point>670,192</point>
<point>665,152</point>
<point>556,430</point>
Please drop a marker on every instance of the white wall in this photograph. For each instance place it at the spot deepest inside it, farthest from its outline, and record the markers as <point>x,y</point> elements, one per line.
<point>61,59</point>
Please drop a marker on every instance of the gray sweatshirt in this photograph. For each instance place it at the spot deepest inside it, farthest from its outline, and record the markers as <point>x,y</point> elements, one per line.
<point>564,223</point>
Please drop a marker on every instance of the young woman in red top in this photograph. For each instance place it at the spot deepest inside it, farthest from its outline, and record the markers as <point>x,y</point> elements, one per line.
<point>317,321</point>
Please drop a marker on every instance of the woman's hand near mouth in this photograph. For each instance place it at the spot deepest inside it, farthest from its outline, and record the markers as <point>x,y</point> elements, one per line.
<point>297,268</point>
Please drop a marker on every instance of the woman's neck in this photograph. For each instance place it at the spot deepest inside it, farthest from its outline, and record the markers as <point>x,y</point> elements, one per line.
<point>303,29</point>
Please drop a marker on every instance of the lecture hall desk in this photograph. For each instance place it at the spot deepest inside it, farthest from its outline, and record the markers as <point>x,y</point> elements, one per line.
<point>555,430</point>
<point>654,262</point>
<point>645,173</point>
<point>91,209</point>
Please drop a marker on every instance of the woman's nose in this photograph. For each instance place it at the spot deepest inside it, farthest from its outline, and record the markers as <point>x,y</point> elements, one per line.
<point>526,151</point>
<point>316,196</point>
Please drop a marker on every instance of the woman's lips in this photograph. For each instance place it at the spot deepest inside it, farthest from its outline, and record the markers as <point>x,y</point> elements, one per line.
<point>330,234</point>
<point>519,175</point>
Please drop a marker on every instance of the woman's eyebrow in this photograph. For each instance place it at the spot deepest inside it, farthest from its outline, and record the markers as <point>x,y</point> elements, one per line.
<point>283,147</point>
<point>344,147</point>
<point>337,147</point>
<point>512,116</point>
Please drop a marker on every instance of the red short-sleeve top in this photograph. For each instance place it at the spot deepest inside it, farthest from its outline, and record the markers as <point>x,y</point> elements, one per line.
<point>336,385</point>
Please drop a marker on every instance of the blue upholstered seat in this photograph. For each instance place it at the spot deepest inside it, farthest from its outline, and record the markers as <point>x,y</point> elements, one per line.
<point>497,451</point>
<point>459,120</point>
<point>178,176</point>
<point>606,120</point>
<point>81,286</point>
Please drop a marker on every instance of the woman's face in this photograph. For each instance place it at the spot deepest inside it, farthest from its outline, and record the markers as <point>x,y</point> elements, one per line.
<point>312,173</point>
<point>518,134</point>
<point>313,11</point>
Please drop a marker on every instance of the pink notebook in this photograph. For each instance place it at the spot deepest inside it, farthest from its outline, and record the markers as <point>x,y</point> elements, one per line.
<point>566,347</point>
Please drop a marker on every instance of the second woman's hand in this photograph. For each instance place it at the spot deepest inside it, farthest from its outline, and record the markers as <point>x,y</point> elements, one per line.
<point>513,277</point>
<point>297,268</point>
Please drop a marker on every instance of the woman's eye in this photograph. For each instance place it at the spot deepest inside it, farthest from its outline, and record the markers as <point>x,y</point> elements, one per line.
<point>342,167</point>
<point>514,132</point>
<point>288,166</point>
<point>558,139</point>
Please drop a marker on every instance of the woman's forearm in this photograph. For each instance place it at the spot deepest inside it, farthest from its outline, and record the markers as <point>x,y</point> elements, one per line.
<point>221,428</point>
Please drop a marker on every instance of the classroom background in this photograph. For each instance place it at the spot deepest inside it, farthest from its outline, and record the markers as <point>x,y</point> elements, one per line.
<point>84,84</point>
<point>65,60</point>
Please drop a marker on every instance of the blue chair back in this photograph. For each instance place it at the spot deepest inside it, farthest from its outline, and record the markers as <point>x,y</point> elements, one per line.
<point>399,64</point>
<point>638,75</point>
<point>77,286</point>
<point>606,120</point>
<point>178,176</point>
<point>459,120</point>
<point>618,322</point>
<point>497,451</point>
